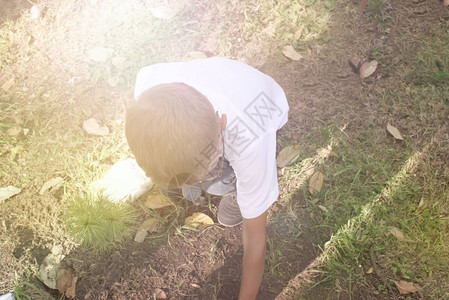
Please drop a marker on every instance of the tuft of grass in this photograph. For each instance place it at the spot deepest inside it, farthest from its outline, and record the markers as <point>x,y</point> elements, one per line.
<point>25,290</point>
<point>97,223</point>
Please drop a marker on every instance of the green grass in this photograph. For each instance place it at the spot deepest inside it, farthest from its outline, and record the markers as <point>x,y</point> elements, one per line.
<point>25,290</point>
<point>373,186</point>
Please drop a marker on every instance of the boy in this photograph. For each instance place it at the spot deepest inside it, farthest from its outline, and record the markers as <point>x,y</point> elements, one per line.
<point>210,124</point>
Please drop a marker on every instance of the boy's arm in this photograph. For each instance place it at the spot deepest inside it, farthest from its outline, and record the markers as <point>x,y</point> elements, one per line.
<point>254,241</point>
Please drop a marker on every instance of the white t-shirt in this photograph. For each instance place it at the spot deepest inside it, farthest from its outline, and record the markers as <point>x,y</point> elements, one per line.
<point>255,106</point>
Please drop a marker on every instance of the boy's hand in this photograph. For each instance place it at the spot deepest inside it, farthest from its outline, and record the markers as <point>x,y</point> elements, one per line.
<point>254,241</point>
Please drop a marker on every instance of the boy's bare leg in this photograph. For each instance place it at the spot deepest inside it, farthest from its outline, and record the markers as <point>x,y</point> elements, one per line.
<point>254,241</point>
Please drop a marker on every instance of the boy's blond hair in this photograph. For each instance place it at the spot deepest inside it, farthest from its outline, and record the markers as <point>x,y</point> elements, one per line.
<point>171,129</point>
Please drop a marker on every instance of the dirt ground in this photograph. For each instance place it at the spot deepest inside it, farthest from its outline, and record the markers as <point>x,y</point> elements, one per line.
<point>207,264</point>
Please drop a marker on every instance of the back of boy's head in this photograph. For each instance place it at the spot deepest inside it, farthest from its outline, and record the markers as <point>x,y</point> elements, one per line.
<point>171,129</point>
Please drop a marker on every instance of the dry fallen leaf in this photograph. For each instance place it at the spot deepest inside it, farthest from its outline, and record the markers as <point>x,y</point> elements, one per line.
<point>159,294</point>
<point>199,220</point>
<point>316,183</point>
<point>323,208</point>
<point>71,291</point>
<point>100,54</point>
<point>64,280</point>
<point>92,126</point>
<point>396,233</point>
<point>149,225</point>
<point>298,32</point>
<point>8,192</point>
<point>394,132</point>
<point>325,152</point>
<point>310,37</point>
<point>422,205</point>
<point>157,201</point>
<point>405,287</point>
<point>309,171</point>
<point>367,69</point>
<point>50,184</point>
<point>287,156</point>
<point>14,131</point>
<point>291,53</point>
<point>370,271</point>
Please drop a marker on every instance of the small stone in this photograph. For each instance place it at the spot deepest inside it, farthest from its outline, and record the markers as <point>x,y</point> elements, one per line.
<point>140,236</point>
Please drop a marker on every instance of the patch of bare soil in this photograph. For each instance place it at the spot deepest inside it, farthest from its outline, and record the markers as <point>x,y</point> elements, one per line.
<point>197,265</point>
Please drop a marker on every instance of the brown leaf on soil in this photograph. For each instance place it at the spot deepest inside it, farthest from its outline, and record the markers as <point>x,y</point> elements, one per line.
<point>147,226</point>
<point>64,280</point>
<point>8,192</point>
<point>370,271</point>
<point>405,287</point>
<point>367,69</point>
<point>323,208</point>
<point>287,156</point>
<point>157,201</point>
<point>422,205</point>
<point>199,220</point>
<point>396,233</point>
<point>325,152</point>
<point>50,184</point>
<point>316,183</point>
<point>298,32</point>
<point>14,131</point>
<point>159,294</point>
<point>291,53</point>
<point>354,63</point>
<point>92,127</point>
<point>150,225</point>
<point>71,290</point>
<point>394,132</point>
